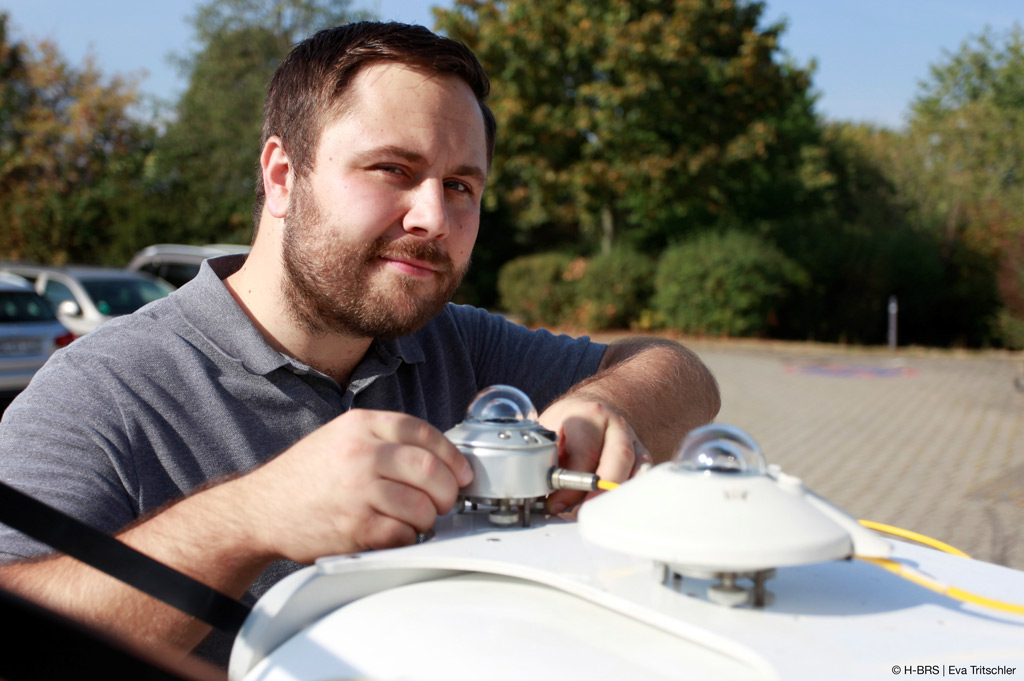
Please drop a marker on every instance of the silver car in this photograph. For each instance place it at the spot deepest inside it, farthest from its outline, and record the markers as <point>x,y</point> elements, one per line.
<point>178,264</point>
<point>29,333</point>
<point>85,297</point>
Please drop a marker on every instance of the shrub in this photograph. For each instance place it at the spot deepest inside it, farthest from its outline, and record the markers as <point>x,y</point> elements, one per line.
<point>724,283</point>
<point>1009,330</point>
<point>614,289</point>
<point>540,288</point>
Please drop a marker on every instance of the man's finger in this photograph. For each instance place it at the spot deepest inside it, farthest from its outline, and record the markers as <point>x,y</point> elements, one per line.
<point>419,469</point>
<point>618,454</point>
<point>617,451</point>
<point>407,505</point>
<point>384,532</point>
<point>404,429</point>
<point>643,457</point>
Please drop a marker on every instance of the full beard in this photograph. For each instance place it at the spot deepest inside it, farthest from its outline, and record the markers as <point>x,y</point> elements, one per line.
<point>329,282</point>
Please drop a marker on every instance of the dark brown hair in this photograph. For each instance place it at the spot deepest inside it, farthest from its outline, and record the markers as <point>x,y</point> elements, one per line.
<point>309,88</point>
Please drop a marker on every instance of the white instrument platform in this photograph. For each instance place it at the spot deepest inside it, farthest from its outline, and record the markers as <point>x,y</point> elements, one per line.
<point>540,603</point>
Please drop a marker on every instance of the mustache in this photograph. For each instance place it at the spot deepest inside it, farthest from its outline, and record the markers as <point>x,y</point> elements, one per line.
<point>416,249</point>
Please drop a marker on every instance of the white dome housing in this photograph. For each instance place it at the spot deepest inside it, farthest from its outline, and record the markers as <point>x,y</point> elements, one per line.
<point>716,508</point>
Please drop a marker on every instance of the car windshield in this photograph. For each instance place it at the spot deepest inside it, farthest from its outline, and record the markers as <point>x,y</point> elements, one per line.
<point>24,306</point>
<point>122,296</point>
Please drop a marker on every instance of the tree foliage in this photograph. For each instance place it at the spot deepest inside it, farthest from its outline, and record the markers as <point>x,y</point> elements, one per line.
<point>967,133</point>
<point>614,289</point>
<point>208,154</point>
<point>633,117</point>
<point>70,155</point>
<point>638,123</point>
<point>962,160</point>
<point>540,288</point>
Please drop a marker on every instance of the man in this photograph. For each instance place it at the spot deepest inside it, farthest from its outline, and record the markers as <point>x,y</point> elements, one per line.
<point>291,405</point>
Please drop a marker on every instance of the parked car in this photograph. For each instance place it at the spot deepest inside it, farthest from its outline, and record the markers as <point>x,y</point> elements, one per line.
<point>29,333</point>
<point>85,297</point>
<point>179,263</point>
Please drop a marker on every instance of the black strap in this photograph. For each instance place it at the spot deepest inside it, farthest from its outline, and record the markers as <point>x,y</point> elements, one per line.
<point>75,650</point>
<point>103,552</point>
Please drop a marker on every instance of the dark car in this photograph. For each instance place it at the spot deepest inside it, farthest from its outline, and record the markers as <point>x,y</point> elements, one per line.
<point>29,333</point>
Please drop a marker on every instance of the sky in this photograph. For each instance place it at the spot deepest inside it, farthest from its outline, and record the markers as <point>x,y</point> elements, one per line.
<point>870,54</point>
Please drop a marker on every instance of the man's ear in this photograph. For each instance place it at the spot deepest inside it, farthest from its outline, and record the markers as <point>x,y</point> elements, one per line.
<point>277,176</point>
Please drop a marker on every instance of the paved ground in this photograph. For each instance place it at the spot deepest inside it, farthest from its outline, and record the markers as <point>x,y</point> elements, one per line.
<point>931,442</point>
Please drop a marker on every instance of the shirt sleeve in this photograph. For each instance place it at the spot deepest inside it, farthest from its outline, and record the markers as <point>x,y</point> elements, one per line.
<point>59,443</point>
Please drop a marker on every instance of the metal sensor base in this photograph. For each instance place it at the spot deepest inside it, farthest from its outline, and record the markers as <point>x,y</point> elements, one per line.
<point>727,590</point>
<point>502,512</point>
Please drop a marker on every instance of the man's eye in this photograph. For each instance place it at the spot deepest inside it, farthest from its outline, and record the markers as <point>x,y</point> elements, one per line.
<point>459,186</point>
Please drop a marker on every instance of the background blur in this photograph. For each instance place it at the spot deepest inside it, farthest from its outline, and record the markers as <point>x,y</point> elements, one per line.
<point>778,170</point>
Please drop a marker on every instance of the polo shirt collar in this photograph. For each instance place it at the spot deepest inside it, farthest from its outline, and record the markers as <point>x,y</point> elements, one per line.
<point>208,307</point>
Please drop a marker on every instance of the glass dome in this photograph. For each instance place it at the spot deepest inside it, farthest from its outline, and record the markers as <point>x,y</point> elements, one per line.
<point>501,404</point>
<point>719,449</point>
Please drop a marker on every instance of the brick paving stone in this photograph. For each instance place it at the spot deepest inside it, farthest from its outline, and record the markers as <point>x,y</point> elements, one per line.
<point>931,442</point>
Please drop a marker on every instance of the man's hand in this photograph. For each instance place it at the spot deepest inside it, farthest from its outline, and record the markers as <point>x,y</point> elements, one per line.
<point>592,437</point>
<point>366,480</point>
<point>647,394</point>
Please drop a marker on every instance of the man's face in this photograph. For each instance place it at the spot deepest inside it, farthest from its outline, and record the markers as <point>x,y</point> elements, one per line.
<point>378,236</point>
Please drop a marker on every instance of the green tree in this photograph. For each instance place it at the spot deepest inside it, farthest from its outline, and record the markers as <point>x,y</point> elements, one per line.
<point>207,157</point>
<point>71,156</point>
<point>963,159</point>
<point>870,237</point>
<point>634,117</point>
<point>14,98</point>
<point>966,131</point>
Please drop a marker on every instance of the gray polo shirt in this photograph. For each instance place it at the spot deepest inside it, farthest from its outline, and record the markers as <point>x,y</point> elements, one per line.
<point>149,406</point>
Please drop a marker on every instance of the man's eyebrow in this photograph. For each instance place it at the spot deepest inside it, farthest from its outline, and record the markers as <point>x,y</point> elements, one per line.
<point>375,153</point>
<point>370,155</point>
<point>474,172</point>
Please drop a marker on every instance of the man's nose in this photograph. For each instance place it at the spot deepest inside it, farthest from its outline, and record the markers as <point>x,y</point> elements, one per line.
<point>428,215</point>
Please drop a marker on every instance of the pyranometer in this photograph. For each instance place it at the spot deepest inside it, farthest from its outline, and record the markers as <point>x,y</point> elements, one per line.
<point>716,511</point>
<point>512,455</point>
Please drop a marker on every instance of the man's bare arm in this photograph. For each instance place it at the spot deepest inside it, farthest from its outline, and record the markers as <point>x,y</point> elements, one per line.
<point>199,536</point>
<point>663,389</point>
<point>647,394</point>
<point>365,480</point>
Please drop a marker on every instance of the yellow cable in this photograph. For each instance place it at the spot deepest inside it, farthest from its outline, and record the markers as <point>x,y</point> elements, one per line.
<point>913,536</point>
<point>607,484</point>
<point>953,592</point>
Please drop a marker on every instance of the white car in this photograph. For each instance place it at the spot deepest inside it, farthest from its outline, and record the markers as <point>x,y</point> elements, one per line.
<point>29,333</point>
<point>85,297</point>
